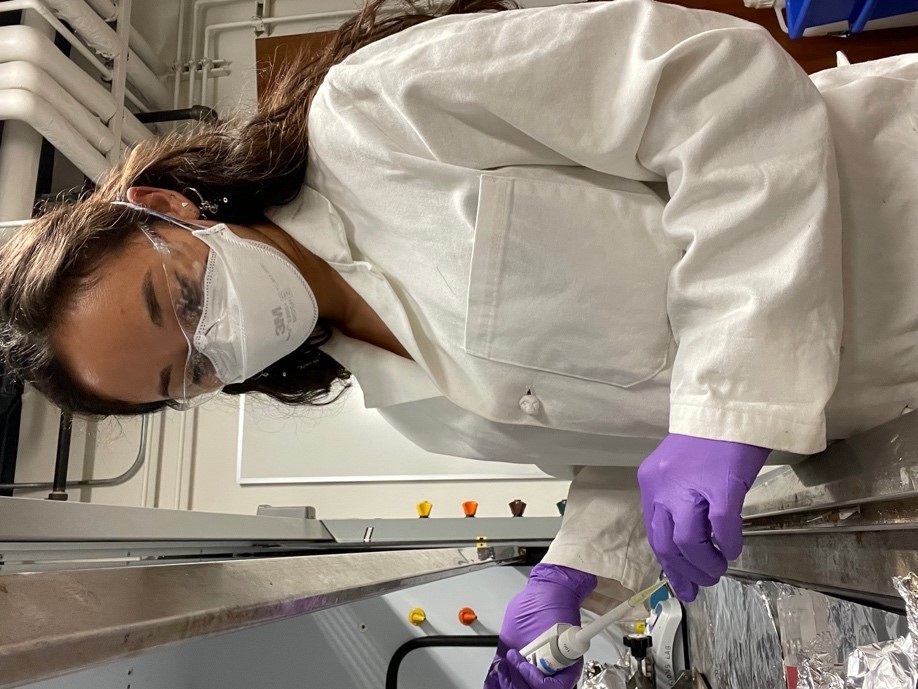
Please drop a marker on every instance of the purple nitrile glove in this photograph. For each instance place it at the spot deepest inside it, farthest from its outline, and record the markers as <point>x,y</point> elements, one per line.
<point>692,488</point>
<point>553,595</point>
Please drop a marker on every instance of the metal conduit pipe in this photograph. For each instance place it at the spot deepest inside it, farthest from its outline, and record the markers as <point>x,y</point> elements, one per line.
<point>197,15</point>
<point>104,9</point>
<point>19,104</point>
<point>20,158</point>
<point>108,12</point>
<point>24,75</point>
<point>177,83</point>
<point>133,130</point>
<point>76,43</point>
<point>146,53</point>
<point>29,45</point>
<point>89,25</point>
<point>124,477</point>
<point>119,77</point>
<point>20,152</point>
<point>25,43</point>
<point>41,9</point>
<point>104,40</point>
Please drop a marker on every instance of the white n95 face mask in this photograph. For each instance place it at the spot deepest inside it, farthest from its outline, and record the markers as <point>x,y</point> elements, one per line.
<point>257,307</point>
<point>242,308</point>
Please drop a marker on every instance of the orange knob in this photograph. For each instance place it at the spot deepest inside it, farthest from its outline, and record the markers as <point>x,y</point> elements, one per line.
<point>424,509</point>
<point>417,616</point>
<point>470,507</point>
<point>467,616</point>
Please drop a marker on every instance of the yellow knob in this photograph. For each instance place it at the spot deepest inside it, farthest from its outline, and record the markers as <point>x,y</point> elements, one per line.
<point>640,627</point>
<point>417,616</point>
<point>424,509</point>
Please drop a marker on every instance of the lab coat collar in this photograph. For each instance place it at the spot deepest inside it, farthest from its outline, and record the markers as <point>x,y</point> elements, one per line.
<point>312,220</point>
<point>384,377</point>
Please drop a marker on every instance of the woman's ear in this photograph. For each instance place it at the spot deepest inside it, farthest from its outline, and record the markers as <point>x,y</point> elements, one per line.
<point>164,201</point>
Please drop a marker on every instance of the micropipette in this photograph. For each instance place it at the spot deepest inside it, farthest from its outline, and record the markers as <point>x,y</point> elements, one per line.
<point>562,645</point>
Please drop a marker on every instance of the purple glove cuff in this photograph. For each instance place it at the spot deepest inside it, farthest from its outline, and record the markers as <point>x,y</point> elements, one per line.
<point>580,583</point>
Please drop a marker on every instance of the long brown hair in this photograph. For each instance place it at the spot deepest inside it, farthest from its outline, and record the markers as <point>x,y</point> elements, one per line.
<point>254,162</point>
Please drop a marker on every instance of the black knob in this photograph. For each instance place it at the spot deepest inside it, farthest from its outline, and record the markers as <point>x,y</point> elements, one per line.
<point>639,644</point>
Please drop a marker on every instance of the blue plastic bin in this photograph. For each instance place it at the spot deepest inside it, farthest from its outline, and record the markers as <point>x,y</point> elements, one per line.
<point>802,14</point>
<point>865,10</point>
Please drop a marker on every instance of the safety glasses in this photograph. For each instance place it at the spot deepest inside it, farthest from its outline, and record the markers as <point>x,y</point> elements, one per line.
<point>186,266</point>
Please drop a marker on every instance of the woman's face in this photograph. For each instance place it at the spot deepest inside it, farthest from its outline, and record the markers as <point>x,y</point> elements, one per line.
<point>121,340</point>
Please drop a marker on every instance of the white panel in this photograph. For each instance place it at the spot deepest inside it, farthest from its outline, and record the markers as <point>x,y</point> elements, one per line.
<point>345,443</point>
<point>167,669</point>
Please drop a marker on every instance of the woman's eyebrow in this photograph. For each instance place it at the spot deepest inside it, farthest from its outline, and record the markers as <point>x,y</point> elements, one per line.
<point>149,297</point>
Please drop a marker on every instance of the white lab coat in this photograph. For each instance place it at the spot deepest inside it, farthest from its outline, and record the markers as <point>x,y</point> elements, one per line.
<point>588,225</point>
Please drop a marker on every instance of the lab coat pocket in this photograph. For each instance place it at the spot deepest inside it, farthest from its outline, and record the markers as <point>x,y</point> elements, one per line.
<point>570,279</point>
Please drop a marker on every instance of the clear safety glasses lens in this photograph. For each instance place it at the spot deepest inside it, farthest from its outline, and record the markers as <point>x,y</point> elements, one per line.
<point>185,263</point>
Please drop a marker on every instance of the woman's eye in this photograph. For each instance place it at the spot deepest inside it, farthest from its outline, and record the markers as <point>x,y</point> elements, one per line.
<point>188,307</point>
<point>197,372</point>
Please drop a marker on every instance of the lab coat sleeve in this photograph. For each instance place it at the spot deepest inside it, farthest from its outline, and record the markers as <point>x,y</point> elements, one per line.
<point>652,92</point>
<point>602,531</point>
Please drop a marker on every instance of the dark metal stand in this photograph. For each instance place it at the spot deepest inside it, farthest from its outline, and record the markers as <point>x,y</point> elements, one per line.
<point>59,487</point>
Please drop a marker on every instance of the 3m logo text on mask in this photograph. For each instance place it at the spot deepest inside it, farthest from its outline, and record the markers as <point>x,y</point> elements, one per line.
<point>280,327</point>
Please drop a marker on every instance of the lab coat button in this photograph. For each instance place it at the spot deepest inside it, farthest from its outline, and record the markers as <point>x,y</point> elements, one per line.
<point>530,404</point>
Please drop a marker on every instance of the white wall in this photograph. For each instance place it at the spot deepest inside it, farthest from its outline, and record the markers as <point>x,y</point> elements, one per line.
<point>195,468</point>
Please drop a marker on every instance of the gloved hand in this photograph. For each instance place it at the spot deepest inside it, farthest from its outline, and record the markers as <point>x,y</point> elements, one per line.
<point>690,488</point>
<point>552,595</point>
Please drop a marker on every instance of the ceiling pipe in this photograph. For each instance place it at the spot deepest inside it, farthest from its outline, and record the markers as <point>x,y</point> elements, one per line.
<point>19,104</point>
<point>20,152</point>
<point>109,13</point>
<point>29,45</point>
<point>42,10</point>
<point>119,78</point>
<point>25,43</point>
<point>198,11</point>
<point>146,53</point>
<point>25,75</point>
<point>104,8</point>
<point>104,40</point>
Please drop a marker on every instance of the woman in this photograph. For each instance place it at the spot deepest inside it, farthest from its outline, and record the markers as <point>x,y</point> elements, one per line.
<point>555,234</point>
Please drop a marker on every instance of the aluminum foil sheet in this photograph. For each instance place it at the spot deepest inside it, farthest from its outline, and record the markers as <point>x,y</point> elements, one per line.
<point>817,668</point>
<point>775,636</point>
<point>887,665</point>
<point>733,639</point>
<point>907,587</point>
<point>818,633</point>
